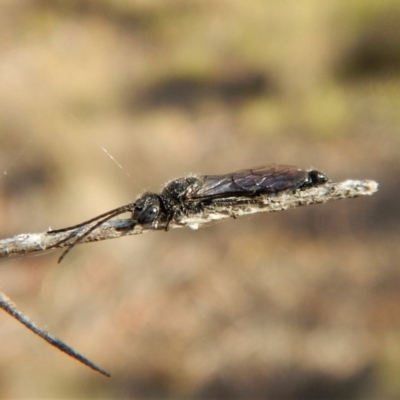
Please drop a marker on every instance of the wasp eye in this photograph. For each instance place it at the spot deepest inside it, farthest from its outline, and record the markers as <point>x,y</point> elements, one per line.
<point>146,213</point>
<point>152,211</point>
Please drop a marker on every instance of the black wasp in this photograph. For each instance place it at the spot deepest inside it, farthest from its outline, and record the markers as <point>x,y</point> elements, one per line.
<point>188,196</point>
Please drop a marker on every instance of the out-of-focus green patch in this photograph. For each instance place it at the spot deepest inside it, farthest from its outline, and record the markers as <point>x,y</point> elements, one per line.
<point>38,25</point>
<point>376,103</point>
<point>388,103</point>
<point>361,12</point>
<point>324,112</point>
<point>262,116</point>
<point>389,366</point>
<point>370,42</point>
<point>321,113</point>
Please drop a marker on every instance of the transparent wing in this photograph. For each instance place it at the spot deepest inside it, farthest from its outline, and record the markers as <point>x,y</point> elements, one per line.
<point>249,182</point>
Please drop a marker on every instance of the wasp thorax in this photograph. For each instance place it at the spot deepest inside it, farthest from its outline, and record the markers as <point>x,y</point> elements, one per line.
<point>147,208</point>
<point>179,188</point>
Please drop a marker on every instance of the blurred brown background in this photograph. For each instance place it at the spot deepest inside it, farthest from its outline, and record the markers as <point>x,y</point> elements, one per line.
<point>296,305</point>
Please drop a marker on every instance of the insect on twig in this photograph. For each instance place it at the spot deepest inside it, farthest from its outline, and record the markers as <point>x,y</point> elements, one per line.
<point>190,195</point>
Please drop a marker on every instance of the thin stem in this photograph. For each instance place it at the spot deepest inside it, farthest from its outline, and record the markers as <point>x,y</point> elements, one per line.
<point>9,307</point>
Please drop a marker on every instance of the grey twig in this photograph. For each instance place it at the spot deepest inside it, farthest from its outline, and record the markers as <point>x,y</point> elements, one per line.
<point>27,243</point>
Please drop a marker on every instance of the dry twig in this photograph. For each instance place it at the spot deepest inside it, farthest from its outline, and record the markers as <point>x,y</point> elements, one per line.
<point>27,243</point>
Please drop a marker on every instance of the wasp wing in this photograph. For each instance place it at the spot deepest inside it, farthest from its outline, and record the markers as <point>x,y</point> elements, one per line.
<point>250,182</point>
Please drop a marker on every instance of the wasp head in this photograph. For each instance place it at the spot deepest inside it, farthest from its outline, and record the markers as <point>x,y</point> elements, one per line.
<point>147,208</point>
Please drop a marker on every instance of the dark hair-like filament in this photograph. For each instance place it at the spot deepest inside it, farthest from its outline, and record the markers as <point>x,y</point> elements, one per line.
<point>78,238</point>
<point>7,305</point>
